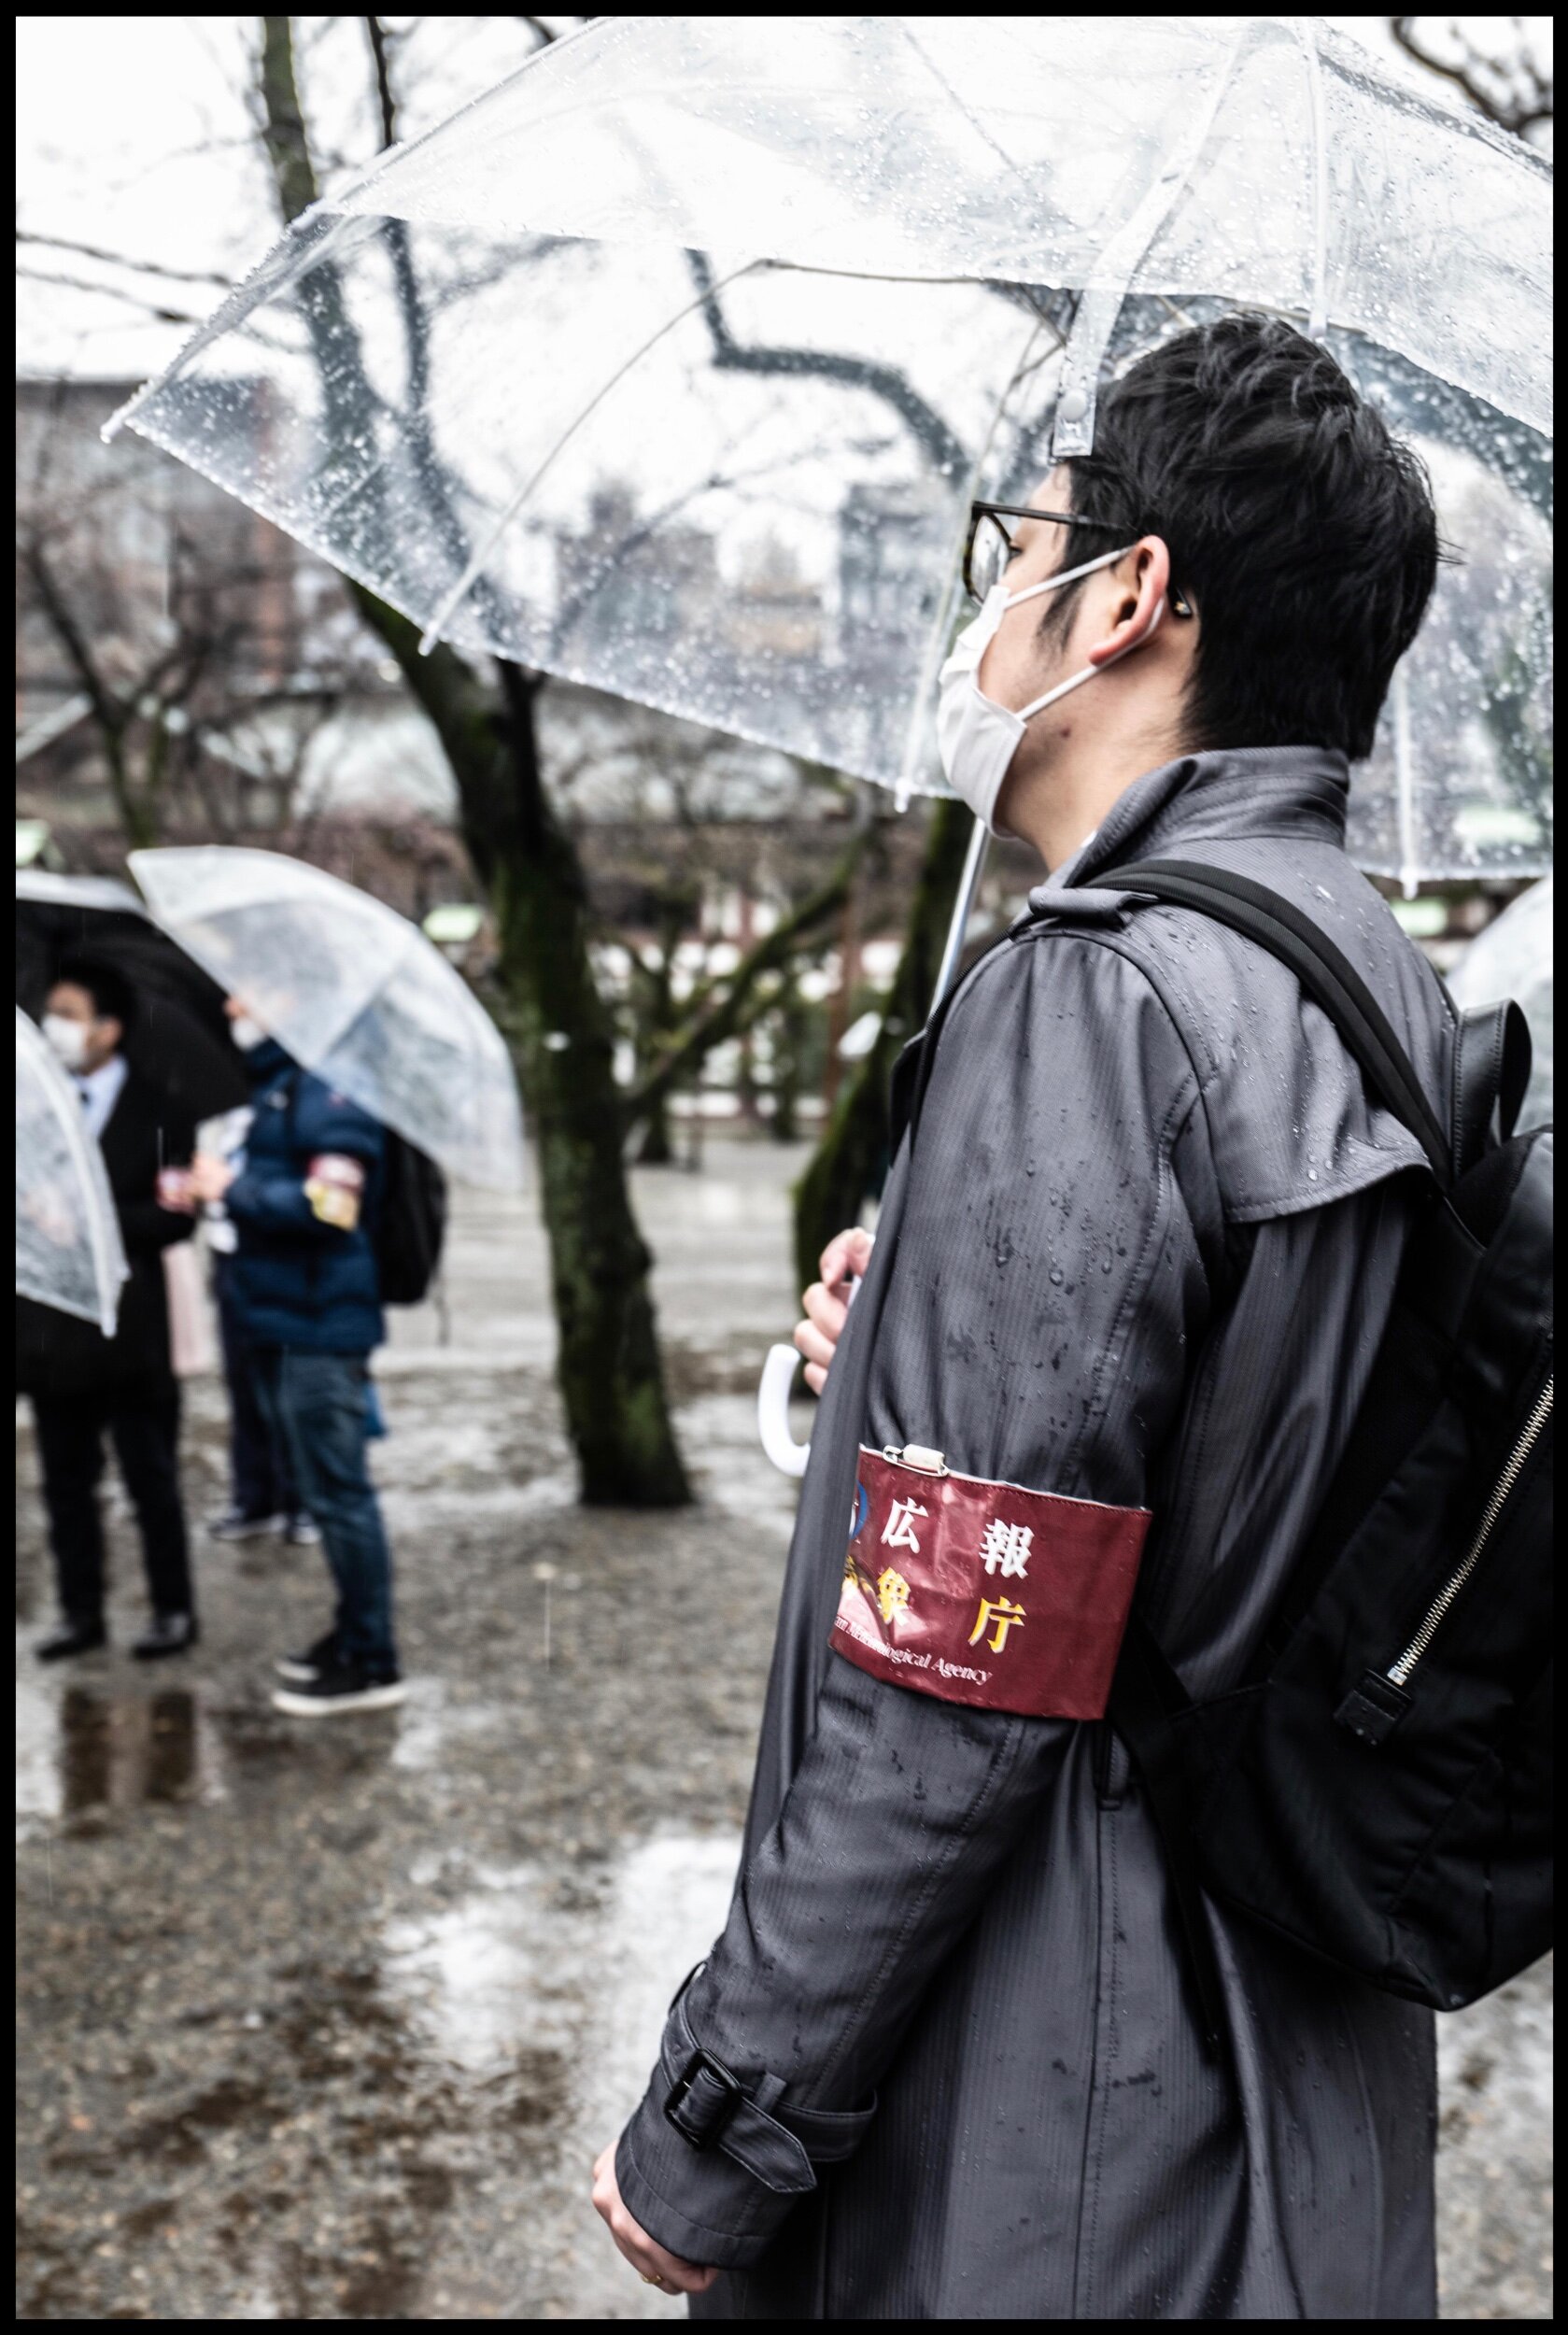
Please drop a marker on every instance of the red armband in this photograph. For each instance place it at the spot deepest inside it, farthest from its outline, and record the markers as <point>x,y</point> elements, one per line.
<point>984,1593</point>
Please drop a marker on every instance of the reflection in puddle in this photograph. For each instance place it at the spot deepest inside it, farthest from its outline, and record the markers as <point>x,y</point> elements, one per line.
<point>81,1750</point>
<point>548,1992</point>
<point>583,1964</point>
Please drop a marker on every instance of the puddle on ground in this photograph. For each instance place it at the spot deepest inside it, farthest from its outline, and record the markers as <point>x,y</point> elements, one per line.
<point>529,1967</point>
<point>429,1723</point>
<point>82,1749</point>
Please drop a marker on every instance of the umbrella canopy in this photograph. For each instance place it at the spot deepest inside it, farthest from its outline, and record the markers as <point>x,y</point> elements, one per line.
<point>1513,958</point>
<point>180,1039</point>
<point>671,364</point>
<point>353,991</point>
<point>68,1249</point>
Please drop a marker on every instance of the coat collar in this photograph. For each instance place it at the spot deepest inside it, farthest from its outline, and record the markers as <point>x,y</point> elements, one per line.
<point>265,1062</point>
<point>1204,797</point>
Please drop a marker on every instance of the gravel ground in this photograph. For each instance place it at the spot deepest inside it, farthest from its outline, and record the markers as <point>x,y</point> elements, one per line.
<point>328,2023</point>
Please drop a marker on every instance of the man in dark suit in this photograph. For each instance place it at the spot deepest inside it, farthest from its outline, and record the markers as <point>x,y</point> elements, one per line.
<point>83,1384</point>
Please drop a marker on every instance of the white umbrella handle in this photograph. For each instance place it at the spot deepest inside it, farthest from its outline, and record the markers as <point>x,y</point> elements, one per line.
<point>772,1412</point>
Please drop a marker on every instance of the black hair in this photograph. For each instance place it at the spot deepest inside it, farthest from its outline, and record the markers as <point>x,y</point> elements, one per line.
<point>113,997</point>
<point>1301,529</point>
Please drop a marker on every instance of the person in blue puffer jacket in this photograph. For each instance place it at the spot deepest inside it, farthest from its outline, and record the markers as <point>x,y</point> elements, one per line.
<point>303,1197</point>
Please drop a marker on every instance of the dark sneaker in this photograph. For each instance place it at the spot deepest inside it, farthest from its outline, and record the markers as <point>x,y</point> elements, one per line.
<point>69,1637</point>
<point>301,1532</point>
<point>166,1634</point>
<point>234,1524</point>
<point>335,1689</point>
<point>305,1669</point>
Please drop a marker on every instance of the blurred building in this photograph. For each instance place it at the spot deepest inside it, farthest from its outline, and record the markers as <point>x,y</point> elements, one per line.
<point>894,548</point>
<point>775,614</point>
<point>662,593</point>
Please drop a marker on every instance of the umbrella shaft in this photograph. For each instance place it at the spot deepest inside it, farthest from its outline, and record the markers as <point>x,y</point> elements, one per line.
<point>953,948</point>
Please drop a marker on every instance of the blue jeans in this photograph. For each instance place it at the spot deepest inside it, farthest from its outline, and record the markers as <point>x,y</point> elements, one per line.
<point>260,1482</point>
<point>319,1406</point>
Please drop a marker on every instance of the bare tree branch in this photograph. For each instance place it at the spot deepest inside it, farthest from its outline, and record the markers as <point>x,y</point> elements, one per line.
<point>1529,107</point>
<point>107,711</point>
<point>119,258</point>
<point>862,373</point>
<point>729,1016</point>
<point>374,27</point>
<point>111,291</point>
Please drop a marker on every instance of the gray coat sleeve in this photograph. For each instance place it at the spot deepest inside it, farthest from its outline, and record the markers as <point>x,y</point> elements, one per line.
<point>1059,1237</point>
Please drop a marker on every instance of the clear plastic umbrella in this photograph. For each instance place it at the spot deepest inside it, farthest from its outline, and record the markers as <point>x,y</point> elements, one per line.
<point>671,364</point>
<point>68,1250</point>
<point>353,991</point>
<point>1513,958</point>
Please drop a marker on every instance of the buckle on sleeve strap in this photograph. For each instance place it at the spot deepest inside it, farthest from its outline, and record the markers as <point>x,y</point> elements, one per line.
<point>702,2099</point>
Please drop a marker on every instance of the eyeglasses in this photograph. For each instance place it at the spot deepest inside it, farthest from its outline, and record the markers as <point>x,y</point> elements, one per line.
<point>988,546</point>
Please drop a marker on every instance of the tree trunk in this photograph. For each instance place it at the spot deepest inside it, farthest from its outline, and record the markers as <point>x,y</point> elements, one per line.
<point>611,1375</point>
<point>611,1378</point>
<point>655,1149</point>
<point>790,1028</point>
<point>653,999</point>
<point>850,1163</point>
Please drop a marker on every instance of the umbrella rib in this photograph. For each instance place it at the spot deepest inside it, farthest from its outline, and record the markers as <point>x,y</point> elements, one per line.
<point>952,94</point>
<point>1317,315</point>
<point>1410,873</point>
<point>1099,305</point>
<point>471,574</point>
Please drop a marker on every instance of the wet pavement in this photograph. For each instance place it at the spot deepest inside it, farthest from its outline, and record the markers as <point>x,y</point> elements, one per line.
<point>328,2022</point>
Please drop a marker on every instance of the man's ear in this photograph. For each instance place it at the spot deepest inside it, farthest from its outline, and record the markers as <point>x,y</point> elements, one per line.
<point>1143,581</point>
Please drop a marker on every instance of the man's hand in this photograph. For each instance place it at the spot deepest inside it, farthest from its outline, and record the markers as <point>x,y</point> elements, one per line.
<point>827,1302</point>
<point>647,2257</point>
<point>210,1178</point>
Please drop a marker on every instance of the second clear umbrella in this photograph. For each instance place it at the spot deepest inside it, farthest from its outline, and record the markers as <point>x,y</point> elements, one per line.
<point>68,1250</point>
<point>354,991</point>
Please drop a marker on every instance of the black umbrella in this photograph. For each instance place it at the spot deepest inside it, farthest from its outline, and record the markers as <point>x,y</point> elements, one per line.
<point>180,1039</point>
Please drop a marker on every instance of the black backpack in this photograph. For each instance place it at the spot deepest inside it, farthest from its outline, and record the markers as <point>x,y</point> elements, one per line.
<point>1378,1787</point>
<point>411,1223</point>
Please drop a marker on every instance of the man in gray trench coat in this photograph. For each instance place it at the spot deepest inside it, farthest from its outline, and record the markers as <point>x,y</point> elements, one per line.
<point>943,2062</point>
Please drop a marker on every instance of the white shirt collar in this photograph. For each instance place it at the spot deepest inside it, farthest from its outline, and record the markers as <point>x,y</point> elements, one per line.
<point>100,1091</point>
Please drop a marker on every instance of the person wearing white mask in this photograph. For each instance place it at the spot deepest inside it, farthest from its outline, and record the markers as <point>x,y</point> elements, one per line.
<point>1029,754</point>
<point>953,2056</point>
<point>85,1387</point>
<point>263,1501</point>
<point>1024,743</point>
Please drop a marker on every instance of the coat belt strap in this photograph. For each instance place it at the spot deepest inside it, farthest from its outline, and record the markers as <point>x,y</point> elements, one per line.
<point>710,2108</point>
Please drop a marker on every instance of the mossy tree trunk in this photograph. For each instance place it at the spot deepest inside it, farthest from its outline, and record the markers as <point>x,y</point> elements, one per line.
<point>611,1375</point>
<point>656,1021</point>
<point>850,1163</point>
<point>791,1031</point>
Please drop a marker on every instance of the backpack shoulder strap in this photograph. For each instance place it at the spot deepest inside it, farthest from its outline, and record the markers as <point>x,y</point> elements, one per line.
<point>1492,1069</point>
<point>1324,972</point>
<point>911,1071</point>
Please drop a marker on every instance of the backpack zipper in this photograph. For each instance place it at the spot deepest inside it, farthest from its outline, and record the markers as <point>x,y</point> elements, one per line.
<point>1400,1673</point>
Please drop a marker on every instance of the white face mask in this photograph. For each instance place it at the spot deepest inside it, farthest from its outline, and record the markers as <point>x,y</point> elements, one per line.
<point>978,738</point>
<point>65,1039</point>
<point>246,1032</point>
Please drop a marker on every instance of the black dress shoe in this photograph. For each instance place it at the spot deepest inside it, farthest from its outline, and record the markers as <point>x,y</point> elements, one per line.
<point>69,1637</point>
<point>166,1634</point>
